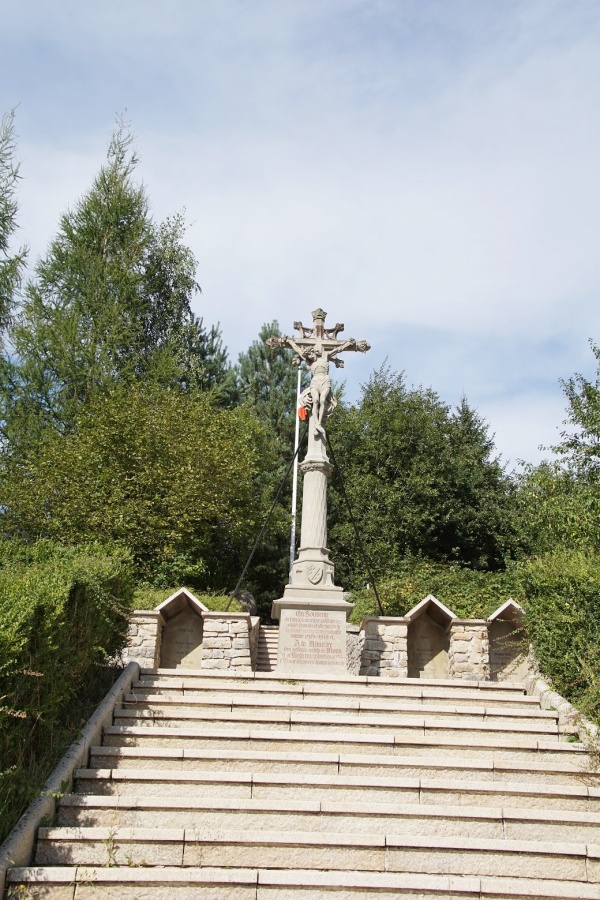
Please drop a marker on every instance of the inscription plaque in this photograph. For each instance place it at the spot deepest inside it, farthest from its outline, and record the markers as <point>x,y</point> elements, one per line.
<point>508,651</point>
<point>312,640</point>
<point>428,645</point>
<point>182,641</point>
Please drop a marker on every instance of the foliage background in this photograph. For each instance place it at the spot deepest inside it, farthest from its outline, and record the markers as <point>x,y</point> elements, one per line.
<point>63,614</point>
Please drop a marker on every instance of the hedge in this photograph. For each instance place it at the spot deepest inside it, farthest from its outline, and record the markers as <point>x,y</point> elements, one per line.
<point>63,616</point>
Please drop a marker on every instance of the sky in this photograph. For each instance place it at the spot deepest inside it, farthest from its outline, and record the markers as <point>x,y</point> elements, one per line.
<point>427,171</point>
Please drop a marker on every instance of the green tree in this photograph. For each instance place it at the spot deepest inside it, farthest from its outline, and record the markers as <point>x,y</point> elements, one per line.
<point>109,301</point>
<point>267,380</point>
<point>11,263</point>
<point>559,500</point>
<point>580,446</point>
<point>422,481</point>
<point>161,472</point>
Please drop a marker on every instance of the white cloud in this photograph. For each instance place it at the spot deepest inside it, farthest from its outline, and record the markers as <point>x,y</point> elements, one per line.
<point>419,168</point>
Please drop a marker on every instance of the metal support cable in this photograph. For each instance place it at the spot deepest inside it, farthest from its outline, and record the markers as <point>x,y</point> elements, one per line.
<point>266,522</point>
<point>353,520</point>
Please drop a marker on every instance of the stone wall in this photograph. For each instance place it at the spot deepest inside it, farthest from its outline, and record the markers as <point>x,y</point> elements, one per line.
<point>144,638</point>
<point>469,652</point>
<point>384,650</point>
<point>354,646</point>
<point>254,632</point>
<point>226,641</point>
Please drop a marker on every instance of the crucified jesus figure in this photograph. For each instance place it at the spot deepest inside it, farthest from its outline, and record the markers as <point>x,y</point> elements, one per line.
<point>318,346</point>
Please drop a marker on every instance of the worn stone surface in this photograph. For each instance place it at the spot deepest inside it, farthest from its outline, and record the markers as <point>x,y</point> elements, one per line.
<point>228,640</point>
<point>312,639</point>
<point>508,649</point>
<point>384,647</point>
<point>144,638</point>
<point>468,652</point>
<point>428,646</point>
<point>354,647</point>
<point>182,641</point>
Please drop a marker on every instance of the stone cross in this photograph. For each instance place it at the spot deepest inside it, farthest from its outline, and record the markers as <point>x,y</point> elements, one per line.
<point>312,572</point>
<point>318,346</point>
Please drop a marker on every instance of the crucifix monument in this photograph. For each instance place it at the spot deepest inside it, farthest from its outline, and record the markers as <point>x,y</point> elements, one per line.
<point>312,612</point>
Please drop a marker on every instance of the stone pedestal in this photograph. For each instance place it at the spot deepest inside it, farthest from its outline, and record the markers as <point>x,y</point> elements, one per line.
<point>312,636</point>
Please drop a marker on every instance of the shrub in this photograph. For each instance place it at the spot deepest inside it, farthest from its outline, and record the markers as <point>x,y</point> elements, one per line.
<point>467,592</point>
<point>562,601</point>
<point>63,614</point>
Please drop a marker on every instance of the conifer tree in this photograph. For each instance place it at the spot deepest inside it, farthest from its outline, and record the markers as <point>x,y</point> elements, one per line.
<point>110,301</point>
<point>267,380</point>
<point>11,263</point>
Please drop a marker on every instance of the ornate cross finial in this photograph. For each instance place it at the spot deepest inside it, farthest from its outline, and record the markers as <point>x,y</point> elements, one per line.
<point>318,346</point>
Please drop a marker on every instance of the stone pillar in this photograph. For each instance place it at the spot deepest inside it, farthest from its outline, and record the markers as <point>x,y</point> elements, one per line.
<point>385,650</point>
<point>469,653</point>
<point>144,636</point>
<point>312,612</point>
<point>226,643</point>
<point>312,571</point>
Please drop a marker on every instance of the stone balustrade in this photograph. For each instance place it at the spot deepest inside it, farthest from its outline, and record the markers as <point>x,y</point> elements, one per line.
<point>429,642</point>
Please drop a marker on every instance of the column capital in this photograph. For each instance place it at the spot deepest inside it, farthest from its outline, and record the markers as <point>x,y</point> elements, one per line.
<point>316,465</point>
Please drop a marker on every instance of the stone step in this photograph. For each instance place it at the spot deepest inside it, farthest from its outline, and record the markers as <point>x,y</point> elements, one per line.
<point>377,789</point>
<point>322,720</point>
<point>491,768</point>
<point>209,883</point>
<point>433,855</point>
<point>377,686</point>
<point>275,691</point>
<point>334,704</point>
<point>437,742</point>
<point>316,816</point>
<point>407,696</point>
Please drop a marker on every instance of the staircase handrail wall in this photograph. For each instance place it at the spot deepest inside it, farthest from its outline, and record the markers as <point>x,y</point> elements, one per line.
<point>17,849</point>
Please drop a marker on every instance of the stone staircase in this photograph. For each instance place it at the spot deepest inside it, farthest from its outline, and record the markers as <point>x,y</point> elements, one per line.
<point>268,642</point>
<point>260,788</point>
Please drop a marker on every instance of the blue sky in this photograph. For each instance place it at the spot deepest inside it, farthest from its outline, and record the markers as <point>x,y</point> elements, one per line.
<point>426,171</point>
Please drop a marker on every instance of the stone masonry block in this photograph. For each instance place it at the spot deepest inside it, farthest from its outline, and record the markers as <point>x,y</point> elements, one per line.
<point>396,631</point>
<point>215,663</point>
<point>219,643</point>
<point>215,625</point>
<point>460,647</point>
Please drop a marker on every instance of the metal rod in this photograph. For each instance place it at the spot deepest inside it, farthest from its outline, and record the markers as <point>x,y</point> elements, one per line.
<point>295,476</point>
